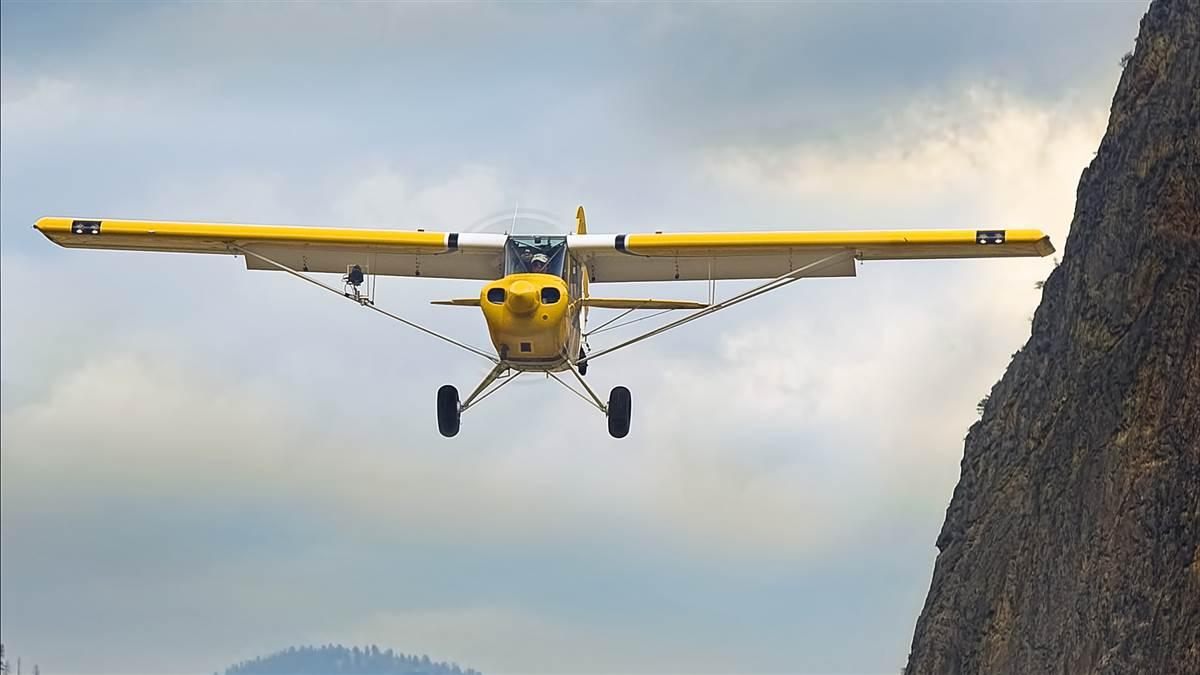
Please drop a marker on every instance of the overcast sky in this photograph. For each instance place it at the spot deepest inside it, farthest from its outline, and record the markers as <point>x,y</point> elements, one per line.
<point>202,464</point>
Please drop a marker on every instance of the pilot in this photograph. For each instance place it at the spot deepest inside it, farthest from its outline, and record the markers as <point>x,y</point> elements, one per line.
<point>539,263</point>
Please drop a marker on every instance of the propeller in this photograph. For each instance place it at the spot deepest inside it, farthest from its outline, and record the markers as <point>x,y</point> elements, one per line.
<point>521,220</point>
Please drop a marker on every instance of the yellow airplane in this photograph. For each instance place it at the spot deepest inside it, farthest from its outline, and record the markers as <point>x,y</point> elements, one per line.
<point>536,298</point>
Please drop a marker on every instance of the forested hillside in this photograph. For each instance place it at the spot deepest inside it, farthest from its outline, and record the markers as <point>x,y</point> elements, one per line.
<point>336,659</point>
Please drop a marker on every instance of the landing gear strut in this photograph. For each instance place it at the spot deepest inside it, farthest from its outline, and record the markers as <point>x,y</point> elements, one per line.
<point>619,404</point>
<point>450,408</point>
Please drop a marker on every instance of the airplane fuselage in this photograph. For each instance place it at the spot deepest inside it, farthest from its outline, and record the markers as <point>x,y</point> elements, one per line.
<point>533,320</point>
<point>534,312</point>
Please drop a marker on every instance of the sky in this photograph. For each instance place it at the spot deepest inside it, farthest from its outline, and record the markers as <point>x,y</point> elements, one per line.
<point>202,464</point>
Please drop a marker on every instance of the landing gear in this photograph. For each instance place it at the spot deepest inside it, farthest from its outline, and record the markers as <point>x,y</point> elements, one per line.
<point>583,364</point>
<point>450,409</point>
<point>448,413</point>
<point>620,405</point>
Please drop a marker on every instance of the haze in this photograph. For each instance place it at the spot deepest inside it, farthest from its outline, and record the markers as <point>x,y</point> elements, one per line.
<point>202,464</point>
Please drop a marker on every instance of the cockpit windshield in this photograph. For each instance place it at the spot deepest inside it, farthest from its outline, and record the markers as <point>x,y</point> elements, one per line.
<point>535,253</point>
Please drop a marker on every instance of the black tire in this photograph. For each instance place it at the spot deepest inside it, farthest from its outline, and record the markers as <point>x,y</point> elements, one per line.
<point>447,410</point>
<point>583,364</point>
<point>620,406</point>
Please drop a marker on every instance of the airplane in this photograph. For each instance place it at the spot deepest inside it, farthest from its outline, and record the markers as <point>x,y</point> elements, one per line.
<point>537,294</point>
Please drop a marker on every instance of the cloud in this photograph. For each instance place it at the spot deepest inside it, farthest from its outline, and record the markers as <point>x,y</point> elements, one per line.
<point>936,331</point>
<point>487,635</point>
<point>382,197</point>
<point>233,494</point>
<point>48,102</point>
<point>259,463</point>
<point>151,426</point>
<point>1007,158</point>
<point>750,454</point>
<point>765,76</point>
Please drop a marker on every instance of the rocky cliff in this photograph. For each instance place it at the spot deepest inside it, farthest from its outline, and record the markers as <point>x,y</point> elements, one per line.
<point>1070,543</point>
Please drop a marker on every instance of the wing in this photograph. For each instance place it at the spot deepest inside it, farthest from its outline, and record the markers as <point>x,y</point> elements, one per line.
<point>311,249</point>
<point>765,255</point>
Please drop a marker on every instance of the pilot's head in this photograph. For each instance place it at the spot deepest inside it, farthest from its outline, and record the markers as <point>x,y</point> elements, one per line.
<point>539,263</point>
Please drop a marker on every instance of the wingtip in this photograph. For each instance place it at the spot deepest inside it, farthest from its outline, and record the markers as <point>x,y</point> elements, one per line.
<point>47,224</point>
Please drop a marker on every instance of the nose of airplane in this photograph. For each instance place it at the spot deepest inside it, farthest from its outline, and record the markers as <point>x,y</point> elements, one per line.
<point>522,297</point>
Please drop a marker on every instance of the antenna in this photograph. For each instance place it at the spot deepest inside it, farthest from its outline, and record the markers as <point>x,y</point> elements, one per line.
<point>513,228</point>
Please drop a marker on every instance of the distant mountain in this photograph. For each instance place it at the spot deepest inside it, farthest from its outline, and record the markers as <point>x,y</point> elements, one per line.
<point>336,659</point>
<point>1072,542</point>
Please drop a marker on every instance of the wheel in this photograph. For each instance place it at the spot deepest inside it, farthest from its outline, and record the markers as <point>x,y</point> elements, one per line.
<point>619,408</point>
<point>447,410</point>
<point>584,364</point>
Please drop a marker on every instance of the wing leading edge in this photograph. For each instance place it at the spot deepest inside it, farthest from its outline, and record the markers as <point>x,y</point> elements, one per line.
<point>312,249</point>
<point>764,255</point>
<point>607,257</point>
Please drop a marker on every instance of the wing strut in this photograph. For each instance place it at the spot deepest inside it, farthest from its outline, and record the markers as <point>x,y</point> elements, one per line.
<point>778,282</point>
<point>497,373</point>
<point>365,302</point>
<point>607,324</point>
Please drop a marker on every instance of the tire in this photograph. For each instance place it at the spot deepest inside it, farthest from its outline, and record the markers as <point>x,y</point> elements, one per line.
<point>447,410</point>
<point>582,366</point>
<point>620,406</point>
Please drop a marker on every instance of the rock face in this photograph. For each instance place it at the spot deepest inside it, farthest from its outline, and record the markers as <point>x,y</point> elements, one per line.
<point>1071,542</point>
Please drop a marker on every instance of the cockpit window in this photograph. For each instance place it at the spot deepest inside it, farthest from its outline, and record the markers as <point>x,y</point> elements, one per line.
<point>535,253</point>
